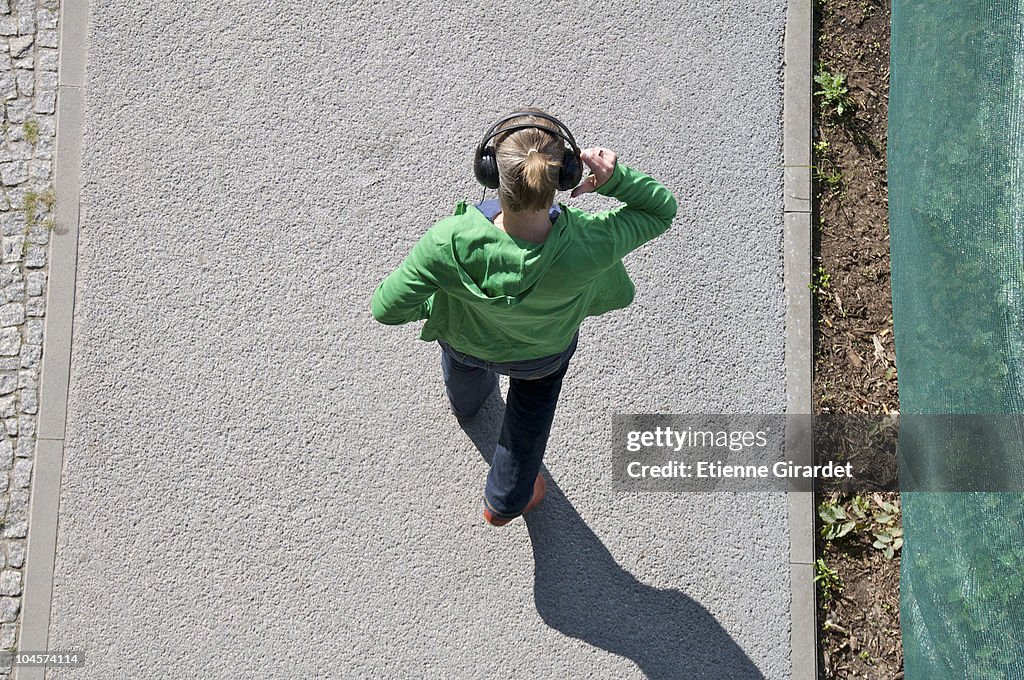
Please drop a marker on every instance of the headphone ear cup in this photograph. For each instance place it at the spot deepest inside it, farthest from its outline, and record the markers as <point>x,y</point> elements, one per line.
<point>571,172</point>
<point>485,167</point>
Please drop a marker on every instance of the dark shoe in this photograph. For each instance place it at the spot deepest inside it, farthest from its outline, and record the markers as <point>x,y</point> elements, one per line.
<point>540,489</point>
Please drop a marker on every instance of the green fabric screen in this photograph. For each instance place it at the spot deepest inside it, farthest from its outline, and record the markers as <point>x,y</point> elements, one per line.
<point>956,192</point>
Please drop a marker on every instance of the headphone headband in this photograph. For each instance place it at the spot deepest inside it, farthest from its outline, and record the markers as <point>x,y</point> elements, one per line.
<point>493,132</point>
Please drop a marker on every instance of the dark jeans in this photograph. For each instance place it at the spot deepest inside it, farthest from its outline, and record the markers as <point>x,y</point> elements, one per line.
<point>533,391</point>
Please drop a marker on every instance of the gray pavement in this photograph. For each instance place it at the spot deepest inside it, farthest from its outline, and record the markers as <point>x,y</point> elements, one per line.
<point>260,481</point>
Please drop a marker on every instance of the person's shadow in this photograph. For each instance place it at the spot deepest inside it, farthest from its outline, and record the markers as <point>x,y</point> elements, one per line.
<point>582,592</point>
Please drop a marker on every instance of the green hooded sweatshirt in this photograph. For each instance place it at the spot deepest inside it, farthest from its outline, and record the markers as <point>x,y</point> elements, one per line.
<point>500,298</point>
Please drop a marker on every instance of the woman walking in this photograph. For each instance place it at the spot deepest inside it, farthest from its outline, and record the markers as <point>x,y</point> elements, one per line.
<point>504,285</point>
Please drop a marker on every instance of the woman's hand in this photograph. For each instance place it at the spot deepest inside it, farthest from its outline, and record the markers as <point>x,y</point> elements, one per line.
<point>601,162</point>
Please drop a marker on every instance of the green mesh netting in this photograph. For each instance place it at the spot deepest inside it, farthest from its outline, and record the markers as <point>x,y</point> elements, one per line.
<point>956,138</point>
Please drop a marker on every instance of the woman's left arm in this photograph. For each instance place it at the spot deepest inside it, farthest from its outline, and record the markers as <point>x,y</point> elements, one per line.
<point>404,296</point>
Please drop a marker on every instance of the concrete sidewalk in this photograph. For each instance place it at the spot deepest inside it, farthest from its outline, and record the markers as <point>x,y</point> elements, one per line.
<point>261,482</point>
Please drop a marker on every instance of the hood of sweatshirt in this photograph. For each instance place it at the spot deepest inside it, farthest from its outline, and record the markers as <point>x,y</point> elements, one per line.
<point>498,268</point>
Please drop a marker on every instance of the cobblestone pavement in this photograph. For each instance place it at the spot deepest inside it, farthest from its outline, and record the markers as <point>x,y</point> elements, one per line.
<point>28,87</point>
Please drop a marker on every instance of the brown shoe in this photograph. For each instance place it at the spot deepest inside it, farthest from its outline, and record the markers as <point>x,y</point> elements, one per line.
<point>540,489</point>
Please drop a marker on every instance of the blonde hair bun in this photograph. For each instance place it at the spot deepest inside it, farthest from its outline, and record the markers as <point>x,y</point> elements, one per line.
<point>528,164</point>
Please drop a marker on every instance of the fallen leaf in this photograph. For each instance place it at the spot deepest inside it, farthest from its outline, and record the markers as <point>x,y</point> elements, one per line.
<point>879,350</point>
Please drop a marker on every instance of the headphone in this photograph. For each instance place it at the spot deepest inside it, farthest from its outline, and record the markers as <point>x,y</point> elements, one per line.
<point>485,162</point>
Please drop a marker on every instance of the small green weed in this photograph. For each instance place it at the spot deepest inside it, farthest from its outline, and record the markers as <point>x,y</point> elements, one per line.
<point>861,505</point>
<point>834,93</point>
<point>881,522</point>
<point>830,179</point>
<point>829,583</point>
<point>31,129</point>
<point>49,199</point>
<point>889,536</point>
<point>29,203</point>
<point>834,522</point>
<point>838,521</point>
<point>820,281</point>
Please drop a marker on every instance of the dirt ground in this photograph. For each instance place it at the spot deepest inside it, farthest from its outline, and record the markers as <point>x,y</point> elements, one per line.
<point>855,364</point>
